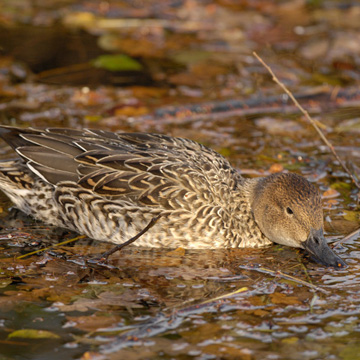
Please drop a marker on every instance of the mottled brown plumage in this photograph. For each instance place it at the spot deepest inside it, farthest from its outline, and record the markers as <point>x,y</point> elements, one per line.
<point>110,185</point>
<point>292,203</point>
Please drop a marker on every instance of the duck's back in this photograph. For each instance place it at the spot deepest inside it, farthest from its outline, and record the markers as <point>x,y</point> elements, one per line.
<point>109,186</point>
<point>121,165</point>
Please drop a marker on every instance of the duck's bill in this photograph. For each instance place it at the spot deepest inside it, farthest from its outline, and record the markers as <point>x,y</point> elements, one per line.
<point>317,246</point>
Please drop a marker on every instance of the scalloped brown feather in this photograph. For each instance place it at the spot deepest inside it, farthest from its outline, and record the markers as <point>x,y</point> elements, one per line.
<point>95,181</point>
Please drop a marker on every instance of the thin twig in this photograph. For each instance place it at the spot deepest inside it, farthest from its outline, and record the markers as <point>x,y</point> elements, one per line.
<point>52,246</point>
<point>278,273</point>
<point>347,237</point>
<point>309,118</point>
<point>304,268</point>
<point>152,222</point>
<point>226,296</point>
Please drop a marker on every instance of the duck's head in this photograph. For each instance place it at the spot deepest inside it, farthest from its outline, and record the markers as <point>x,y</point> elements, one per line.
<point>288,210</point>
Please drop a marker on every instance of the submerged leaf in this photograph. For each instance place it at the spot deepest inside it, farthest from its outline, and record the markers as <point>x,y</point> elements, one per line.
<point>351,215</point>
<point>291,340</point>
<point>280,298</point>
<point>350,352</point>
<point>118,62</point>
<point>33,334</point>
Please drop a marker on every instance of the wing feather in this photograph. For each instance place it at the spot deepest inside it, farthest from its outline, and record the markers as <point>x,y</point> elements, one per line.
<point>151,169</point>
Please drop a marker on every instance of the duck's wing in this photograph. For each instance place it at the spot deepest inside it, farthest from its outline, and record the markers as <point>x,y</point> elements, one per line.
<point>150,169</point>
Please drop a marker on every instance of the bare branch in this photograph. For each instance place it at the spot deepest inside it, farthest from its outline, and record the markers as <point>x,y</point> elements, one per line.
<point>309,118</point>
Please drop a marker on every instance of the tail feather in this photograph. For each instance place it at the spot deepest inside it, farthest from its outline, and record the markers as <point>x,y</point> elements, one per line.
<point>12,135</point>
<point>52,157</point>
<point>15,175</point>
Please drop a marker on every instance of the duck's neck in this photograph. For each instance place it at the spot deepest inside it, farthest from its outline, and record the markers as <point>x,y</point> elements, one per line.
<point>249,186</point>
<point>244,226</point>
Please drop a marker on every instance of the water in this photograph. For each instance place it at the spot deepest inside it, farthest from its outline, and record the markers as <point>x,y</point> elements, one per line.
<point>272,303</point>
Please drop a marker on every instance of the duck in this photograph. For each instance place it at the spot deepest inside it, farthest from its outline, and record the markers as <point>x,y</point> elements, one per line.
<point>109,186</point>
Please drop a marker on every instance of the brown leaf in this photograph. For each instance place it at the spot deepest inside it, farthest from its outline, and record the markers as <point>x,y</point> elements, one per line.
<point>330,193</point>
<point>279,298</point>
<point>261,313</point>
<point>275,168</point>
<point>177,252</point>
<point>94,322</point>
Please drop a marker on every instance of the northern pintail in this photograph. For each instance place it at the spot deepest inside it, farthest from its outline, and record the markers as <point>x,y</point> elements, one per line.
<point>110,185</point>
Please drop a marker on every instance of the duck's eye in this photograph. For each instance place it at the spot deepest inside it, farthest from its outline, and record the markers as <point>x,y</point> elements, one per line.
<point>289,211</point>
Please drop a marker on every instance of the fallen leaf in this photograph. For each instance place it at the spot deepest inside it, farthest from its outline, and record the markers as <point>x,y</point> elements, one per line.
<point>33,334</point>
<point>351,215</point>
<point>93,322</point>
<point>279,298</point>
<point>276,168</point>
<point>118,62</point>
<point>290,340</point>
<point>91,355</point>
<point>177,252</point>
<point>330,193</point>
<point>261,313</point>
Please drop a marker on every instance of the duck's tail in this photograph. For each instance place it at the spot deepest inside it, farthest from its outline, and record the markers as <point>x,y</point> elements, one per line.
<point>28,193</point>
<point>15,175</point>
<point>13,135</point>
<point>15,183</point>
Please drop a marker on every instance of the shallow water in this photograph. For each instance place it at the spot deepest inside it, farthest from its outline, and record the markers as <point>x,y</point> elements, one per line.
<point>272,303</point>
